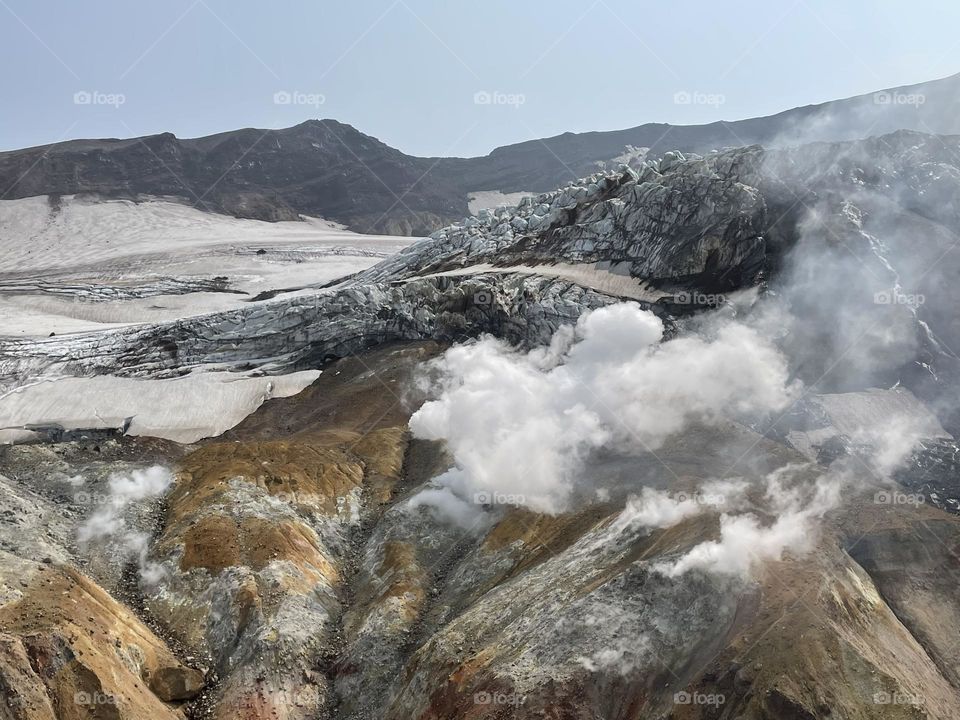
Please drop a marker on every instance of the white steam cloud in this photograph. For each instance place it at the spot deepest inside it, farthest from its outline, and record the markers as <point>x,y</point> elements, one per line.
<point>657,509</point>
<point>746,541</point>
<point>892,443</point>
<point>842,318</point>
<point>107,523</point>
<point>780,519</point>
<point>521,425</point>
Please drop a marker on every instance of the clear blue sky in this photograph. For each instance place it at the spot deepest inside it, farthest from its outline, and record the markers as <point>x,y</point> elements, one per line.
<point>407,71</point>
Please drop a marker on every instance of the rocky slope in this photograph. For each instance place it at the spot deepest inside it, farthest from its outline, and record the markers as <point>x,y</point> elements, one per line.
<point>302,580</point>
<point>71,647</point>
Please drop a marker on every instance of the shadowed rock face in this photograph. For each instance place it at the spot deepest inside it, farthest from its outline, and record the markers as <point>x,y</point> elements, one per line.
<point>318,168</point>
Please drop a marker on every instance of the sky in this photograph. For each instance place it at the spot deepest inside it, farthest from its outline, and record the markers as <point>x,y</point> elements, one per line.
<point>435,77</point>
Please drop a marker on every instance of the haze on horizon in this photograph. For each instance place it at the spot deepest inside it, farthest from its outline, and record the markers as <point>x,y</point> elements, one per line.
<point>433,79</point>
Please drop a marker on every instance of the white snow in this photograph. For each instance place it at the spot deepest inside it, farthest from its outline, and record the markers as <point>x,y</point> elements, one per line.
<point>56,259</point>
<point>123,244</point>
<point>851,412</point>
<point>85,231</point>
<point>184,409</point>
<point>587,274</point>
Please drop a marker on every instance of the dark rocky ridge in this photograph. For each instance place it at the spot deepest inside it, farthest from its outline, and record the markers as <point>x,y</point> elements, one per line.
<point>536,164</point>
<point>329,169</point>
<point>320,168</point>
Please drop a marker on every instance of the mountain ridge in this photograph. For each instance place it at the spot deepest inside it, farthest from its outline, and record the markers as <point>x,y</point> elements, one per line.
<point>331,169</point>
